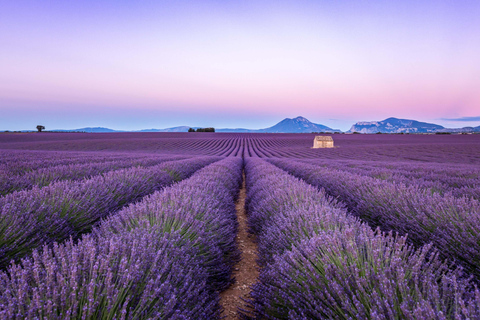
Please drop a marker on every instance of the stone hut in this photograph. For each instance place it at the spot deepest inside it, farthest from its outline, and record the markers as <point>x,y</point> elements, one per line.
<point>323,142</point>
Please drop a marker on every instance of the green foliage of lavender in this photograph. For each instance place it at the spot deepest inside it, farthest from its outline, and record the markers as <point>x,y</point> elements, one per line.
<point>319,262</point>
<point>201,209</point>
<point>65,209</point>
<point>449,222</point>
<point>157,259</point>
<point>142,274</point>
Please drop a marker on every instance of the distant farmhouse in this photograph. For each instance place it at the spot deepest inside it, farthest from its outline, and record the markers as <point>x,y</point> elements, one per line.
<point>323,142</point>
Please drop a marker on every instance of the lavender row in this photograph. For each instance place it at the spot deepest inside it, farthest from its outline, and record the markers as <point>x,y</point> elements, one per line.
<point>319,262</point>
<point>460,180</point>
<point>162,258</point>
<point>19,162</point>
<point>451,223</point>
<point>44,176</point>
<point>449,149</point>
<point>68,208</point>
<point>201,208</point>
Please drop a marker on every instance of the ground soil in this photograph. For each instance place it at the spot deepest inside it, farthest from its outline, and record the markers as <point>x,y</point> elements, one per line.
<point>246,271</point>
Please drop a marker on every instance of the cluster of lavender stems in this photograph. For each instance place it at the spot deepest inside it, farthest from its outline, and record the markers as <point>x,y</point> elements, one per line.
<point>458,149</point>
<point>460,180</point>
<point>66,209</point>
<point>165,257</point>
<point>320,262</point>
<point>449,222</point>
<point>17,162</point>
<point>45,176</point>
<point>92,226</point>
<point>201,208</point>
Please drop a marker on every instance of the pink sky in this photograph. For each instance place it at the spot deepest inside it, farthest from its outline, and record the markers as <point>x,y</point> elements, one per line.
<point>133,66</point>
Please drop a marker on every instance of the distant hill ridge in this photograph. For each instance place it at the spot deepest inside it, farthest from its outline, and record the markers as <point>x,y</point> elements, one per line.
<point>298,125</point>
<point>303,125</point>
<point>288,125</point>
<point>395,125</point>
<point>295,125</point>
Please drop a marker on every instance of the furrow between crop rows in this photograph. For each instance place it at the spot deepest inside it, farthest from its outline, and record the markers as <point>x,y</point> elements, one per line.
<point>246,270</point>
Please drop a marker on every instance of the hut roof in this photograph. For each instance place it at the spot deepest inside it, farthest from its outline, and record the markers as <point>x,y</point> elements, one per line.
<point>323,138</point>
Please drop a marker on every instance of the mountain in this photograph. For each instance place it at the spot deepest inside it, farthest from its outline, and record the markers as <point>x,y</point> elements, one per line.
<point>394,125</point>
<point>236,130</point>
<point>89,129</point>
<point>287,125</point>
<point>460,130</point>
<point>303,125</point>
<point>173,129</point>
<point>297,125</point>
<point>102,129</point>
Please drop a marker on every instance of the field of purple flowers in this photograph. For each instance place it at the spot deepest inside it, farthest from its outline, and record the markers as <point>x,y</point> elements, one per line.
<point>144,226</point>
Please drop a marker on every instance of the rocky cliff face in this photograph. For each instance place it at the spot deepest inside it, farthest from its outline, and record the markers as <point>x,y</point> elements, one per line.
<point>394,125</point>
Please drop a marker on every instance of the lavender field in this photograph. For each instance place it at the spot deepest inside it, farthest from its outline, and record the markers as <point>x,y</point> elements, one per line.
<point>145,226</point>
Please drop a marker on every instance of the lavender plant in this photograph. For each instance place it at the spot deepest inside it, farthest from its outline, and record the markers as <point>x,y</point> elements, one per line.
<point>44,176</point>
<point>459,179</point>
<point>143,274</point>
<point>18,162</point>
<point>451,223</point>
<point>201,208</point>
<point>53,213</point>
<point>319,262</point>
<point>157,259</point>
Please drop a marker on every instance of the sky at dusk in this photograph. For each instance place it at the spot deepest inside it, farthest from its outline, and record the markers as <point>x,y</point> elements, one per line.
<point>155,64</point>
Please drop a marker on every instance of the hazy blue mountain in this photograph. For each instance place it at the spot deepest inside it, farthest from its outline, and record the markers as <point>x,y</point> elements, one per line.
<point>89,129</point>
<point>173,129</point>
<point>235,130</point>
<point>461,130</point>
<point>394,125</point>
<point>102,129</point>
<point>287,125</point>
<point>303,125</point>
<point>296,125</point>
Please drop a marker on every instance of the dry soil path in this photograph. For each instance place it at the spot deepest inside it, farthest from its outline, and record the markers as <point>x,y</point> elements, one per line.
<point>246,271</point>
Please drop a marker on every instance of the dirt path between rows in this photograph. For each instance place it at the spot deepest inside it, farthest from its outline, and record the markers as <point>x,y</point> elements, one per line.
<point>246,271</point>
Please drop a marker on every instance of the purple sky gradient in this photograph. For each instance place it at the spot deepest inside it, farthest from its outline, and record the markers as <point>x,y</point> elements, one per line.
<point>134,65</point>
